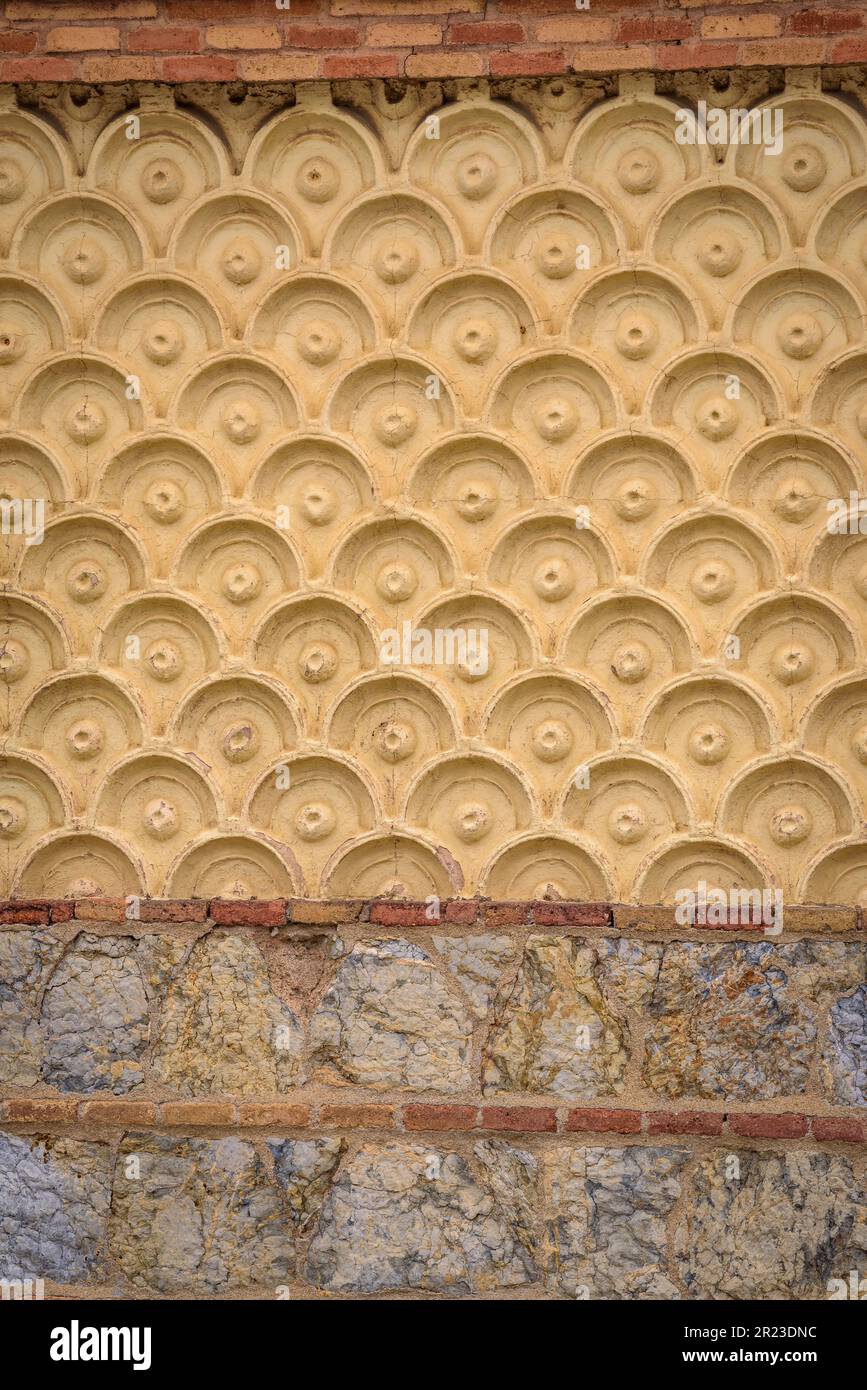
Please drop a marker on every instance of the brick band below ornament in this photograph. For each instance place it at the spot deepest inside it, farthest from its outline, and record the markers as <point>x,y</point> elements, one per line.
<point>387,912</point>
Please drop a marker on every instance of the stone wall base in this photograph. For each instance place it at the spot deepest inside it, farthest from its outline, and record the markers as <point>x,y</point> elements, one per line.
<point>555,1100</point>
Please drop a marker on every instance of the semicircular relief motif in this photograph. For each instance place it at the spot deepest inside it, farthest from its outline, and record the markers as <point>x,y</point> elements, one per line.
<point>420,499</point>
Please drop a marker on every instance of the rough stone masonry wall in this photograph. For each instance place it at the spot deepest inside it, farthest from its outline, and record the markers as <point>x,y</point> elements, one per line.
<point>247,1096</point>
<point>531,1100</point>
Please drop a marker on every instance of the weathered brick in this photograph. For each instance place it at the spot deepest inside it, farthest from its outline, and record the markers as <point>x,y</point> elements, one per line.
<point>243,36</point>
<point>39,1111</point>
<point>601,1121</point>
<point>118,1112</point>
<point>87,9</point>
<point>439,1116</point>
<point>571,914</point>
<point>12,42</point>
<point>402,914</point>
<point>100,909</point>
<point>849,51</point>
<point>682,57</point>
<point>197,1112</point>
<point>324,913</point>
<point>26,912</point>
<point>769,1126</point>
<point>164,39</point>
<point>235,912</point>
<point>506,914</point>
<point>575,28</point>
<point>630,917</point>
<point>684,1122</point>
<point>218,9</point>
<point>358,1116</point>
<point>173,910</point>
<point>134,68</point>
<point>361,65</point>
<point>460,910</point>
<point>62,910</point>
<point>832,920</point>
<point>821,21</point>
<point>657,27</point>
<point>792,52</point>
<point>524,1118</point>
<point>612,59</point>
<point>198,69</point>
<point>65,40</point>
<point>323,36</point>
<point>280,67</point>
<point>840,1128</point>
<point>528,62</point>
<point>407,35</point>
<point>264,1115</point>
<point>740,26</point>
<point>445,63</point>
<point>409,7</point>
<point>486,32</point>
<point>537,6</point>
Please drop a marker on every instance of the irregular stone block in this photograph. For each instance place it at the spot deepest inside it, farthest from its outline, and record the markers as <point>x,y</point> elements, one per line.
<point>606,1213</point>
<point>405,1217</point>
<point>630,969</point>
<point>54,1201</point>
<point>26,961</point>
<point>845,1055</point>
<point>304,1169</point>
<point>222,1031</point>
<point>95,1018</point>
<point>773,1226</point>
<point>513,1178</point>
<point>555,1032</point>
<point>477,963</point>
<point>826,967</point>
<point>159,958</point>
<point>728,1021</point>
<point>21,1048</point>
<point>197,1216</point>
<point>389,1019</point>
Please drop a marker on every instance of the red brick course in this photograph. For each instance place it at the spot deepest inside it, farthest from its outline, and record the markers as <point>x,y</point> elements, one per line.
<point>769,1126</point>
<point>267,1115</point>
<point>197,1112</point>
<point>828,1128</point>
<point>26,912</point>
<point>527,1119</point>
<point>388,914</point>
<point>431,1118</point>
<point>401,915</point>
<point>232,912</point>
<point>439,1116</point>
<point>358,1116</point>
<point>684,1122</point>
<point>38,1111</point>
<point>600,1121</point>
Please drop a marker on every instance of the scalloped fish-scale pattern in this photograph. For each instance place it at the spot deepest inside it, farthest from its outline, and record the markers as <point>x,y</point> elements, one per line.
<point>562,382</point>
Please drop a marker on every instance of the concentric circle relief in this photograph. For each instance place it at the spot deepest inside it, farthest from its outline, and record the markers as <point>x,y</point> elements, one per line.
<point>433,504</point>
